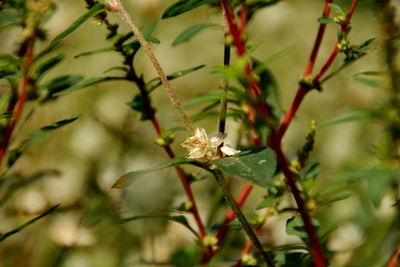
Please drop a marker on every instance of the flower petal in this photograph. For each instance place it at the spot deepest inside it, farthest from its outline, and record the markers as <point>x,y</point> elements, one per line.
<point>196,153</point>
<point>217,139</point>
<point>229,151</point>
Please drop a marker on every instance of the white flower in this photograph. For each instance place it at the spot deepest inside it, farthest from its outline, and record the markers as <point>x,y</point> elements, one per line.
<point>200,147</point>
<point>229,151</point>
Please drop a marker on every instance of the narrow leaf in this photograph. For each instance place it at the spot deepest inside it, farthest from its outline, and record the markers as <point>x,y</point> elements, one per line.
<point>37,137</point>
<point>269,201</point>
<point>84,84</point>
<point>129,177</point>
<point>154,83</point>
<point>337,8</point>
<point>48,65</point>
<point>94,52</point>
<point>355,115</point>
<point>206,98</point>
<point>256,164</point>
<point>325,20</point>
<point>189,33</point>
<point>16,230</point>
<point>90,13</point>
<point>178,219</point>
<point>295,226</point>
<point>182,6</point>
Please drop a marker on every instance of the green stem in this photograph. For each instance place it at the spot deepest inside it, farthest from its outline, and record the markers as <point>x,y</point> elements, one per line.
<point>240,216</point>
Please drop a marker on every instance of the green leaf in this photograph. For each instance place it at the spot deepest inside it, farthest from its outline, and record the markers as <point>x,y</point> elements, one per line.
<point>326,20</point>
<point>16,230</point>
<point>270,89</point>
<point>366,79</point>
<point>379,181</point>
<point>178,219</point>
<point>90,13</point>
<point>6,18</point>
<point>257,5</point>
<point>48,65</point>
<point>139,105</point>
<point>47,50</point>
<point>269,201</point>
<point>293,258</point>
<point>60,83</point>
<point>312,172</point>
<point>129,177</point>
<point>355,115</point>
<point>182,6</point>
<point>37,137</point>
<point>84,84</point>
<point>172,76</point>
<point>121,68</point>
<point>190,32</point>
<point>149,32</point>
<point>337,9</point>
<point>95,51</point>
<point>256,164</point>
<point>206,98</point>
<point>336,197</point>
<point>295,226</point>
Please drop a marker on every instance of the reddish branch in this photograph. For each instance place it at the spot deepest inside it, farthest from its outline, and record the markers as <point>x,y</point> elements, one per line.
<point>182,176</point>
<point>302,90</point>
<point>277,136</point>
<point>18,106</point>
<point>394,261</point>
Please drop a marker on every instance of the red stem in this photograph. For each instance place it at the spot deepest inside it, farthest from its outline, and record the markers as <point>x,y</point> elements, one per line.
<point>316,250</point>
<point>223,229</point>
<point>394,261</point>
<point>20,103</point>
<point>318,40</point>
<point>156,125</point>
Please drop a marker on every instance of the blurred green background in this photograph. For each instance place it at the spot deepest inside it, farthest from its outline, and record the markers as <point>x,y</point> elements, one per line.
<point>109,139</point>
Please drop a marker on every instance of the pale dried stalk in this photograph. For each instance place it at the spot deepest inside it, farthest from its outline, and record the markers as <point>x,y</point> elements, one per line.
<point>117,7</point>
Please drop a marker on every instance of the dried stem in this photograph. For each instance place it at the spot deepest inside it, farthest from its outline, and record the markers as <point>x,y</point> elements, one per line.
<point>117,7</point>
<point>240,216</point>
<point>156,125</point>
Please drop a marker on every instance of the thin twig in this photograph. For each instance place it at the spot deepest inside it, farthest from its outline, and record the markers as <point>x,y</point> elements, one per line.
<point>225,88</point>
<point>117,7</point>
<point>240,216</point>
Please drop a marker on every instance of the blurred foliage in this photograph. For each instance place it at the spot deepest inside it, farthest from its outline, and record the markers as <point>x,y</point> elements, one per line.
<point>92,98</point>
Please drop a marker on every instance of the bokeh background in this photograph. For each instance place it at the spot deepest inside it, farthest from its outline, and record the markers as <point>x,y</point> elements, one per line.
<point>109,139</point>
